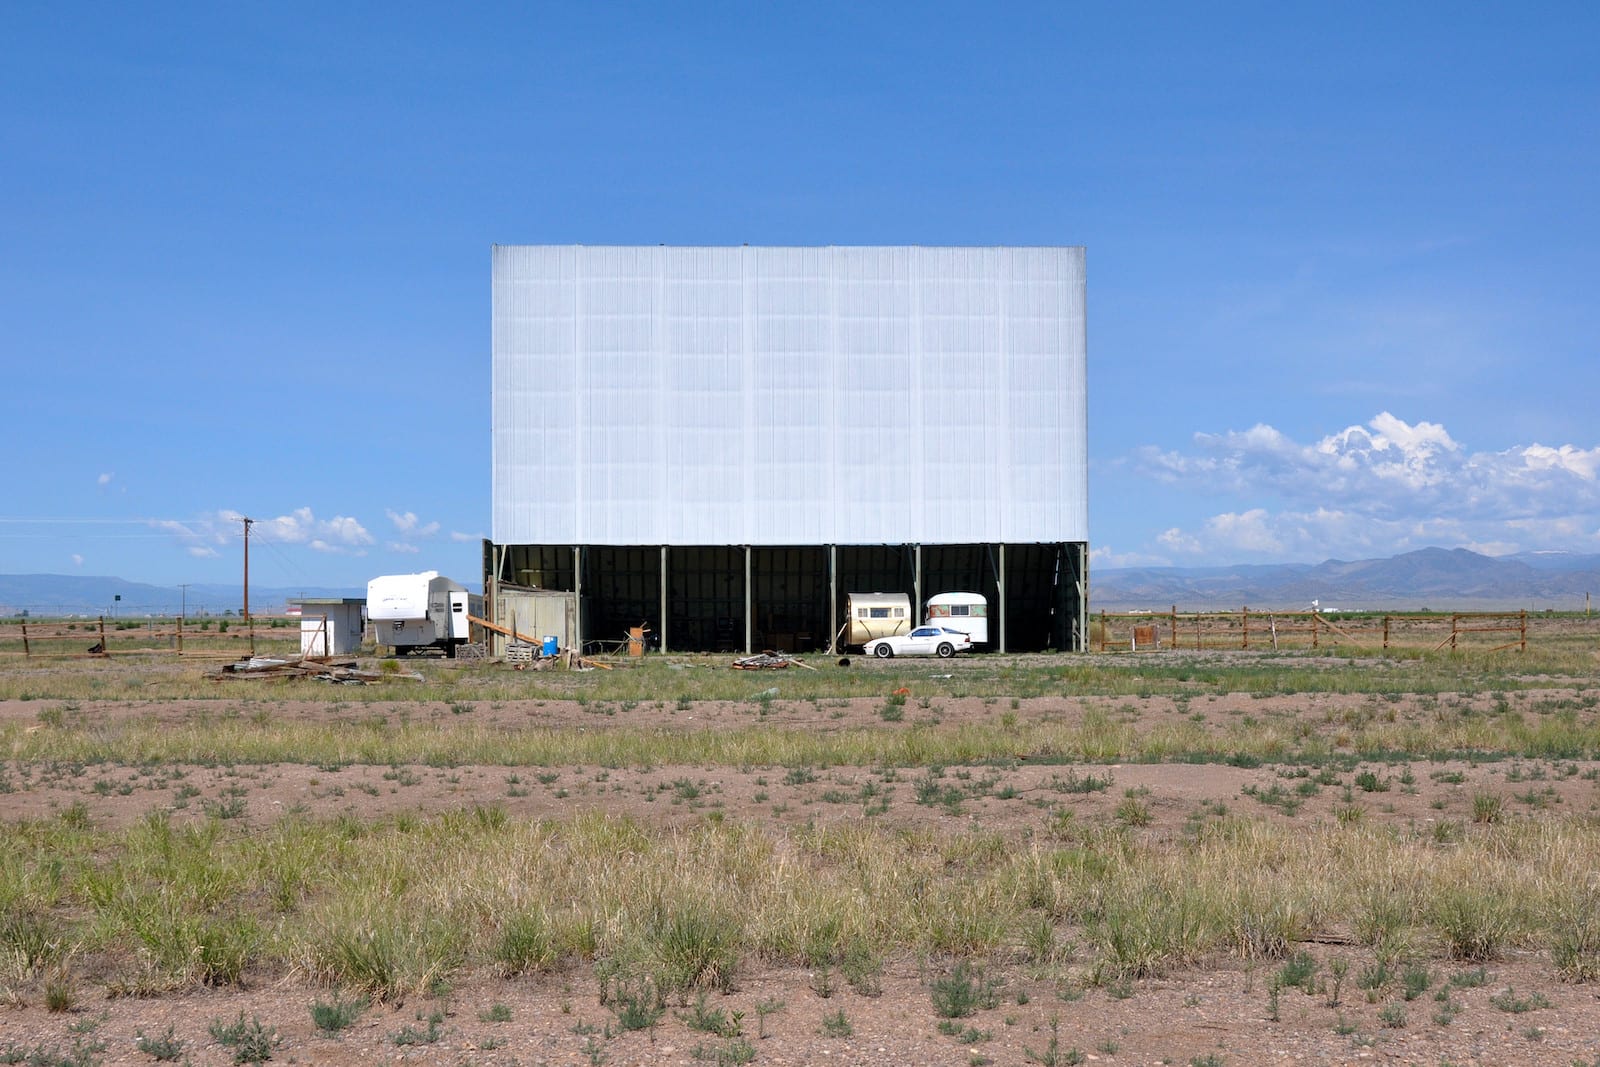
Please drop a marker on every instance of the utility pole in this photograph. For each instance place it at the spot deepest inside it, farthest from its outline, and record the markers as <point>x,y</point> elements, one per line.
<point>248,620</point>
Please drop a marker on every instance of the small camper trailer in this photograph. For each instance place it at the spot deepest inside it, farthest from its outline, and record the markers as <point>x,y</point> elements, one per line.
<point>412,611</point>
<point>873,615</point>
<point>967,612</point>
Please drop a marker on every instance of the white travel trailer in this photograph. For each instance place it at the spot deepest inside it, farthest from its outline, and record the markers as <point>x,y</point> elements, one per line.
<point>412,611</point>
<point>967,612</point>
<point>872,615</point>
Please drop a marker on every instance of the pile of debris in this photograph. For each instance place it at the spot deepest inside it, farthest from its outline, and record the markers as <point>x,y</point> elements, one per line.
<point>336,672</point>
<point>528,658</point>
<point>769,661</point>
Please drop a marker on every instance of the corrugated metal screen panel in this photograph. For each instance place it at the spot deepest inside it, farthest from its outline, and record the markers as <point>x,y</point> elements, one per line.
<point>786,396</point>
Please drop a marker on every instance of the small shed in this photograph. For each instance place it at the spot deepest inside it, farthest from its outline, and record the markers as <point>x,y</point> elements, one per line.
<point>536,614</point>
<point>330,626</point>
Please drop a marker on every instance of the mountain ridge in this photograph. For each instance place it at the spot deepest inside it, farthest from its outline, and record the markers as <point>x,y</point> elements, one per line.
<point>75,594</point>
<point>1438,578</point>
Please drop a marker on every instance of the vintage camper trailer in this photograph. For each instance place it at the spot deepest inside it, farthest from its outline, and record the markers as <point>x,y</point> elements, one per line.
<point>967,612</point>
<point>872,615</point>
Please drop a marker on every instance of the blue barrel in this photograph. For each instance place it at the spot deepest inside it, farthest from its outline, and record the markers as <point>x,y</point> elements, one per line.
<point>552,645</point>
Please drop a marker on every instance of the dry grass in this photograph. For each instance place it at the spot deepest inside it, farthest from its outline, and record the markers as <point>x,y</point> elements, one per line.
<point>401,905</point>
<point>398,906</point>
<point>1566,730</point>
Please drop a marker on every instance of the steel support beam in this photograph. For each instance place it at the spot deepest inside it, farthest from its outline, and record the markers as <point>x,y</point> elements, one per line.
<point>833,599</point>
<point>1082,551</point>
<point>1001,579</point>
<point>916,585</point>
<point>749,606</point>
<point>577,598</point>
<point>663,618</point>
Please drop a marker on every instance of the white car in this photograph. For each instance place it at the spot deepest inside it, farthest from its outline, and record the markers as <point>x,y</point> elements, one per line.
<point>923,641</point>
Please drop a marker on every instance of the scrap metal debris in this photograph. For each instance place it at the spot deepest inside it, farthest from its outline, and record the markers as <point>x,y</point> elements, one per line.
<point>336,672</point>
<point>769,660</point>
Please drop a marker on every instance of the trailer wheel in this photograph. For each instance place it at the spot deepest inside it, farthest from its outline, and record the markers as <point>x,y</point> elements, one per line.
<point>883,651</point>
<point>946,650</point>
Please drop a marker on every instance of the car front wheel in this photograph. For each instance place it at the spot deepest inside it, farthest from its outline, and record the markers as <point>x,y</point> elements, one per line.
<point>883,651</point>
<point>946,650</point>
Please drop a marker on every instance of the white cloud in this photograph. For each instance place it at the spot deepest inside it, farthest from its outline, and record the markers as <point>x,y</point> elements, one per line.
<point>463,538</point>
<point>1492,548</point>
<point>105,479</point>
<point>401,546</point>
<point>318,544</point>
<point>347,531</point>
<point>1106,556</point>
<point>199,539</point>
<point>1311,535</point>
<point>1252,531</point>
<point>204,537</point>
<point>1178,541</point>
<point>77,560</point>
<point>408,524</point>
<point>1557,531</point>
<point>302,527</point>
<point>1388,466</point>
<point>1582,463</point>
<point>1389,486</point>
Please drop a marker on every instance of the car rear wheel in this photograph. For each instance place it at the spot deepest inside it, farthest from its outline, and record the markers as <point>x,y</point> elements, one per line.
<point>883,651</point>
<point>946,650</point>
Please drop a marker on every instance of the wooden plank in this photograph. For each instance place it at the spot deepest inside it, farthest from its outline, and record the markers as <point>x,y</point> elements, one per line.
<point>502,630</point>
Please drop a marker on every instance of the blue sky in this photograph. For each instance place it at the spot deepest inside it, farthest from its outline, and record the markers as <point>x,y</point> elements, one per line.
<point>1342,258</point>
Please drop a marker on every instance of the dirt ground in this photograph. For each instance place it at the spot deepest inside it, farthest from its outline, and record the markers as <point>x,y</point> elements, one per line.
<point>1217,1013</point>
<point>1007,799</point>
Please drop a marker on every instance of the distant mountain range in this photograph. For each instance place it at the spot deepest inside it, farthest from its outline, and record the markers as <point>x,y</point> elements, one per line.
<point>1436,578</point>
<point>71,594</point>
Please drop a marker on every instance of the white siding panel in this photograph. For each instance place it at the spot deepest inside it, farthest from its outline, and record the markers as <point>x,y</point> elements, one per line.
<point>779,396</point>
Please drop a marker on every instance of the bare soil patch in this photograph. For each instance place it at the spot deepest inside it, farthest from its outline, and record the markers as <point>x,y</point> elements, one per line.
<point>1222,1011</point>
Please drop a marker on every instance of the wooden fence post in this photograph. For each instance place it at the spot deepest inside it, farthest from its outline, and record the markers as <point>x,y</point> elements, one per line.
<point>25,651</point>
<point>1455,623</point>
<point>105,649</point>
<point>1174,623</point>
<point>180,635</point>
<point>1198,644</point>
<point>1523,627</point>
<point>1247,627</point>
<point>1316,634</point>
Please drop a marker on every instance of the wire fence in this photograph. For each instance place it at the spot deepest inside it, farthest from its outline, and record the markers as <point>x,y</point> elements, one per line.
<point>1488,631</point>
<point>176,636</point>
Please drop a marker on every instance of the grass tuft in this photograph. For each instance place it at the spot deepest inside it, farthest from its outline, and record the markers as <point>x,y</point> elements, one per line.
<point>963,992</point>
<point>250,1041</point>
<point>330,1017</point>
